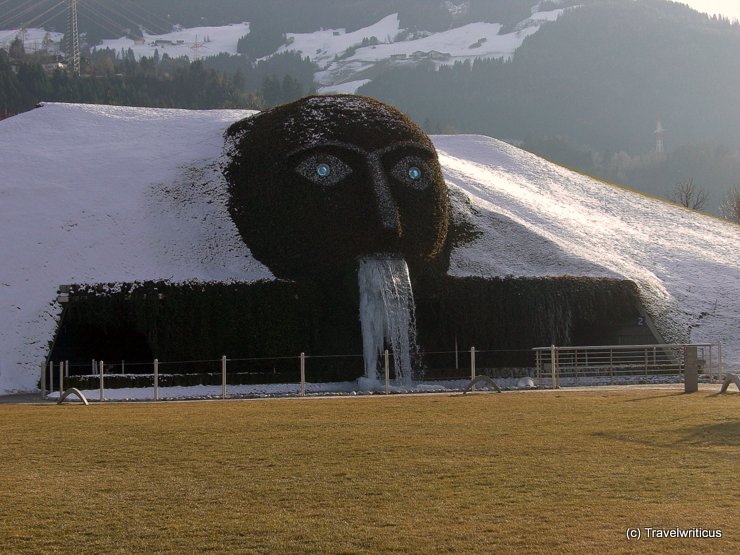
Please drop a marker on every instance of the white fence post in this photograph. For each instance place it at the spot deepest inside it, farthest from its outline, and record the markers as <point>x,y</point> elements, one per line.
<point>387,371</point>
<point>61,378</point>
<point>101,366</point>
<point>553,365</point>
<point>457,364</point>
<point>223,377</point>
<point>156,379</point>
<point>43,381</point>
<point>611,365</point>
<point>472,365</point>
<point>720,370</point>
<point>303,374</point>
<point>646,361</point>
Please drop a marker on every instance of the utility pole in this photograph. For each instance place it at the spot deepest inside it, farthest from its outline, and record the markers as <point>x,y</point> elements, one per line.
<point>73,39</point>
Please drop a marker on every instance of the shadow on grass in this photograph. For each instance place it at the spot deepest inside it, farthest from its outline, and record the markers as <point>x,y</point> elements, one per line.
<point>727,393</point>
<point>725,433</point>
<point>653,397</point>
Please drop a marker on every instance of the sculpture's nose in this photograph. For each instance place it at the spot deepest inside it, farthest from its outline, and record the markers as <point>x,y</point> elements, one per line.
<point>386,206</point>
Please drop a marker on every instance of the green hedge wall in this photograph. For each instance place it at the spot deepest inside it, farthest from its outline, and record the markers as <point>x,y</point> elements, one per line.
<point>264,320</point>
<point>193,321</point>
<point>522,313</point>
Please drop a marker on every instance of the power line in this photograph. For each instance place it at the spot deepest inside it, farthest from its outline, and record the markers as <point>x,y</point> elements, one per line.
<point>95,17</point>
<point>99,10</point>
<point>17,14</point>
<point>141,19</point>
<point>115,14</point>
<point>35,21</point>
<point>166,25</point>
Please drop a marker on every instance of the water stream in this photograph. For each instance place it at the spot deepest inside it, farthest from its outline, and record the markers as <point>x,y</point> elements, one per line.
<point>387,316</point>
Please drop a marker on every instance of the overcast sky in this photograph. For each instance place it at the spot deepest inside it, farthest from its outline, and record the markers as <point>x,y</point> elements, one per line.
<point>728,8</point>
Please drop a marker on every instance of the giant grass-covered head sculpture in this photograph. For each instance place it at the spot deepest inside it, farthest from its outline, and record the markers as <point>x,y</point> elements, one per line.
<point>321,182</point>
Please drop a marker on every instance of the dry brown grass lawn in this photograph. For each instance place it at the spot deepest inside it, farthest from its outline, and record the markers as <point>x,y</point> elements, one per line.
<point>535,472</point>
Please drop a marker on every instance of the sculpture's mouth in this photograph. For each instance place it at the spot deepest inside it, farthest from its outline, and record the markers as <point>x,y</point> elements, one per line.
<point>387,314</point>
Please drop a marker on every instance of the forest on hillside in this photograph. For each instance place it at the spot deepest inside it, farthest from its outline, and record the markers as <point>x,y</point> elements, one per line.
<point>110,77</point>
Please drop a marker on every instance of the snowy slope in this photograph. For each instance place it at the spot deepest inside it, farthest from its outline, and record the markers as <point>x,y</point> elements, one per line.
<point>92,194</point>
<point>220,39</point>
<point>33,38</point>
<point>468,42</point>
<point>540,219</point>
<point>98,194</point>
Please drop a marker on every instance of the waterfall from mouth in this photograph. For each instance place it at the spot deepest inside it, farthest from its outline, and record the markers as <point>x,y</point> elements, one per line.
<point>387,315</point>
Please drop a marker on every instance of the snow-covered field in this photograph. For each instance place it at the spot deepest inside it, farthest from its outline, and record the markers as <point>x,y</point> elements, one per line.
<point>33,38</point>
<point>185,42</point>
<point>99,194</point>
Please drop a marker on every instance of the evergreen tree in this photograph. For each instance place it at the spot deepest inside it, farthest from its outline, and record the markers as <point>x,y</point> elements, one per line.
<point>271,90</point>
<point>17,51</point>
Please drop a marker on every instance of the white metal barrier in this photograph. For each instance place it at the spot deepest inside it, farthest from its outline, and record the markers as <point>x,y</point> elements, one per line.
<point>580,365</point>
<point>611,362</point>
<point>99,370</point>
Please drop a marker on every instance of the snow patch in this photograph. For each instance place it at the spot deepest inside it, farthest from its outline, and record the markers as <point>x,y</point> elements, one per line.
<point>184,42</point>
<point>107,194</point>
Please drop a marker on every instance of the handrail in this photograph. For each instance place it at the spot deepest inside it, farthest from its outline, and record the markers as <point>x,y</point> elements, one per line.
<point>595,347</point>
<point>609,361</point>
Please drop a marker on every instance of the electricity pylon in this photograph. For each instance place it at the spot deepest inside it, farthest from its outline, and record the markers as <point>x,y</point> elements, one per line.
<point>73,39</point>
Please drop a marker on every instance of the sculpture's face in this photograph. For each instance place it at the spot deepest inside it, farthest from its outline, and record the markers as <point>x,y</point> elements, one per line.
<point>325,180</point>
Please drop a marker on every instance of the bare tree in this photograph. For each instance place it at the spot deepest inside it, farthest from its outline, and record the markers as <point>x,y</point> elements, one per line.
<point>688,194</point>
<point>730,206</point>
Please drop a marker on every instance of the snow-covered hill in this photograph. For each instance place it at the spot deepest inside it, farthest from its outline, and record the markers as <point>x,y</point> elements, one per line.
<point>192,42</point>
<point>92,194</point>
<point>344,63</point>
<point>33,38</point>
<point>543,220</point>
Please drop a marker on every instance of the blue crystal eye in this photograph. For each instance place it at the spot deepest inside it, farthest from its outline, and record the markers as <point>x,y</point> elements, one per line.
<point>323,170</point>
<point>414,172</point>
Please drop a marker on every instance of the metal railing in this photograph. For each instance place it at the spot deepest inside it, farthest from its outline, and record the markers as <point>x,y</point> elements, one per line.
<point>549,366</point>
<point>611,363</point>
